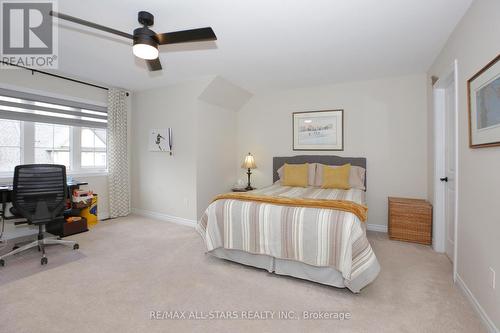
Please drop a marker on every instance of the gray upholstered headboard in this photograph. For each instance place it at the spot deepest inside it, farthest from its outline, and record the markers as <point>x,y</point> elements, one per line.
<point>323,159</point>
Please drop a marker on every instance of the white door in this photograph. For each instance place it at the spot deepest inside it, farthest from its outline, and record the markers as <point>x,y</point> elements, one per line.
<point>450,170</point>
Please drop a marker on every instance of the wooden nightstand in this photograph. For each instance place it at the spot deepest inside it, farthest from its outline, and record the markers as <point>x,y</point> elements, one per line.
<point>410,220</point>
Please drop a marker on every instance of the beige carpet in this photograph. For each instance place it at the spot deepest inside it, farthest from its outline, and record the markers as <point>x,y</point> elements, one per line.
<point>128,267</point>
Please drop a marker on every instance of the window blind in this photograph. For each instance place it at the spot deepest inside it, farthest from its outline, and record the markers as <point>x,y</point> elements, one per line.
<point>17,105</point>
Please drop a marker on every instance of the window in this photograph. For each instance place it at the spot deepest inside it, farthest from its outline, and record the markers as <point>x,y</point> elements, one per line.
<point>43,129</point>
<point>78,148</point>
<point>52,144</point>
<point>93,148</point>
<point>10,144</point>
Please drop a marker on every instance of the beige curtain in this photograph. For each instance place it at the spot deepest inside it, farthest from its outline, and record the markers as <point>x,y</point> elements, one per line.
<point>118,166</point>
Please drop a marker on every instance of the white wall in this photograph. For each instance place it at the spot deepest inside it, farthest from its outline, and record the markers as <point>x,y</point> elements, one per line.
<point>204,136</point>
<point>384,121</point>
<point>51,85</point>
<point>24,80</point>
<point>162,183</point>
<point>474,43</point>
<point>216,152</point>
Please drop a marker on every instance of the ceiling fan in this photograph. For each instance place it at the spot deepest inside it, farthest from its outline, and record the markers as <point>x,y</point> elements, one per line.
<point>145,40</point>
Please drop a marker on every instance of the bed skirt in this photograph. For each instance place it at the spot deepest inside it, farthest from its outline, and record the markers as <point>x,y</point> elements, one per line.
<point>324,275</point>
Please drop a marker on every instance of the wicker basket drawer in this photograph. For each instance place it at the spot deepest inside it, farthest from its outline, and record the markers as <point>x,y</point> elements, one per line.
<point>410,220</point>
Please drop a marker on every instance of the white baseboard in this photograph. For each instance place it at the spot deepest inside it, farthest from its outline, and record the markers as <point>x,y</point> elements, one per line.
<point>165,217</point>
<point>376,227</point>
<point>490,326</point>
<point>102,215</point>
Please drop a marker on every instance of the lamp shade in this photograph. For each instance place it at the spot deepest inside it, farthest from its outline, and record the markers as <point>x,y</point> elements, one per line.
<point>249,162</point>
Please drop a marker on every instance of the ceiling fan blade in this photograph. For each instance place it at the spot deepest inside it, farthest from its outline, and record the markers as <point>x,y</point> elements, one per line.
<point>192,35</point>
<point>90,24</point>
<point>154,65</point>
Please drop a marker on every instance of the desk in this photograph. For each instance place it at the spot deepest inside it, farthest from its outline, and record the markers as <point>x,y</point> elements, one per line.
<point>6,189</point>
<point>16,234</point>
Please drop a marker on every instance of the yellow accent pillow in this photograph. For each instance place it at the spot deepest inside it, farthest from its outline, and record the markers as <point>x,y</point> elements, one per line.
<point>296,175</point>
<point>336,177</point>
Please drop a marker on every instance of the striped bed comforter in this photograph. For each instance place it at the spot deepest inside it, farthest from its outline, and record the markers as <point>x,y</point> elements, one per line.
<point>314,236</point>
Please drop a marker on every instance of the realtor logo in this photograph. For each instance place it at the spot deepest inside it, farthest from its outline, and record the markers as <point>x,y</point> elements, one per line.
<point>28,34</point>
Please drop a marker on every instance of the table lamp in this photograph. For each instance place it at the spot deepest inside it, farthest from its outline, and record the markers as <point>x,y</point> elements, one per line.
<point>249,164</point>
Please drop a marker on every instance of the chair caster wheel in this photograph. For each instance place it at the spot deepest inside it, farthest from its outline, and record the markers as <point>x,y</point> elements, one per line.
<point>15,248</point>
<point>2,262</point>
<point>44,261</point>
<point>76,247</point>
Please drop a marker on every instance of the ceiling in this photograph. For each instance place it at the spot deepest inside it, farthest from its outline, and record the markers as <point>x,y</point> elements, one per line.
<point>262,44</point>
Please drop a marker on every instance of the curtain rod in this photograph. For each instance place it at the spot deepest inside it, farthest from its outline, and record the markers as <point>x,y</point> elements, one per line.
<point>56,75</point>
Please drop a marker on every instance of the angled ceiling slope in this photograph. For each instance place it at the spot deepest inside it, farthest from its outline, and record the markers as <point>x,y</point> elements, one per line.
<point>225,94</point>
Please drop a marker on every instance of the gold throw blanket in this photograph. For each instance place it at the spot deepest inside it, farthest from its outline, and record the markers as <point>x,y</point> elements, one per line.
<point>347,206</point>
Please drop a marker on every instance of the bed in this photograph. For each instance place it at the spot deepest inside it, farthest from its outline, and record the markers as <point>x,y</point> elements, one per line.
<point>306,232</point>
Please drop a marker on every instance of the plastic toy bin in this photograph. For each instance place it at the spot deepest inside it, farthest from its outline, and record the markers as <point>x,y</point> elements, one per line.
<point>90,212</point>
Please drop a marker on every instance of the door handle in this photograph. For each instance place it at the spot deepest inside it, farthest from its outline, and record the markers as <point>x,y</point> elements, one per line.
<point>444,179</point>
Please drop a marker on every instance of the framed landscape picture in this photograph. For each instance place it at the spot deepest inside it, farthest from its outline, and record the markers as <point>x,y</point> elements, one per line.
<point>318,130</point>
<point>483,90</point>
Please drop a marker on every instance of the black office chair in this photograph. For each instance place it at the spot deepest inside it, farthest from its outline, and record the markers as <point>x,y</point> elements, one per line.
<point>39,195</point>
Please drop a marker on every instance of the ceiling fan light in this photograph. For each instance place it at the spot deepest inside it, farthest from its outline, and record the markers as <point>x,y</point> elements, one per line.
<point>145,51</point>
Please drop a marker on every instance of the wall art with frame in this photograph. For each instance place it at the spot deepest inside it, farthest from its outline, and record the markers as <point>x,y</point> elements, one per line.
<point>318,130</point>
<point>483,92</point>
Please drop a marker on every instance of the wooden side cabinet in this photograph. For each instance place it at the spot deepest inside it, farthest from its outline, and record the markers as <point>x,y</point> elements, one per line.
<point>410,220</point>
